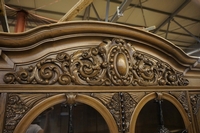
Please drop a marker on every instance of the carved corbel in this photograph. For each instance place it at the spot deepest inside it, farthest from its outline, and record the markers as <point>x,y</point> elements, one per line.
<point>70,98</point>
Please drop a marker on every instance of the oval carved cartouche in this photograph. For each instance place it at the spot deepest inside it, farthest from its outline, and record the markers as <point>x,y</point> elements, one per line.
<point>121,64</point>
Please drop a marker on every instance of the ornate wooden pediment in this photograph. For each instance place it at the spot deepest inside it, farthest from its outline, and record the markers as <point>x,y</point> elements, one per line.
<point>113,62</point>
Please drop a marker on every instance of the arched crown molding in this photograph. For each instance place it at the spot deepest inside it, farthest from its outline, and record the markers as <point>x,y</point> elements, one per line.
<point>48,36</point>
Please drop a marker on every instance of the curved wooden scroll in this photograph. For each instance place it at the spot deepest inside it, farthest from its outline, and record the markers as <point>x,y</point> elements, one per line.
<point>90,53</point>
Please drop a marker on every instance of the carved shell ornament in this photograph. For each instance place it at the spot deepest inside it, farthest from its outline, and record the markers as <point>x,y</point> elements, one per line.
<point>113,62</point>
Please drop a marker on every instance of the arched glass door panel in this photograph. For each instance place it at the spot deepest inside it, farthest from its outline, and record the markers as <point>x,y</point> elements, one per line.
<point>77,118</point>
<point>148,120</point>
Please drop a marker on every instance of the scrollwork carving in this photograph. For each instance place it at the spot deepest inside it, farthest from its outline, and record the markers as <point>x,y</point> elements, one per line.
<point>17,106</point>
<point>113,62</point>
<point>149,71</point>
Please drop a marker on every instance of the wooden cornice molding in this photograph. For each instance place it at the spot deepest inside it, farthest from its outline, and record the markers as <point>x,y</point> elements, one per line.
<point>29,88</point>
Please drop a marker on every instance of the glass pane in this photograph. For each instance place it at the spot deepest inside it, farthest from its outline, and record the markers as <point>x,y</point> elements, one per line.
<point>148,119</point>
<point>84,119</point>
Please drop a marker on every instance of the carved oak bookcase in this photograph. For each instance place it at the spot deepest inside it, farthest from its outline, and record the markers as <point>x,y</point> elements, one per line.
<point>119,71</point>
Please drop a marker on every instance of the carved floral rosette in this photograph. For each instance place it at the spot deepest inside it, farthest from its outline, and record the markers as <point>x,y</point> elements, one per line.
<point>113,62</point>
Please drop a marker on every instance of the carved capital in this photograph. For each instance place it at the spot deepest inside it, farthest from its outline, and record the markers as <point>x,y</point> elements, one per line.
<point>70,98</point>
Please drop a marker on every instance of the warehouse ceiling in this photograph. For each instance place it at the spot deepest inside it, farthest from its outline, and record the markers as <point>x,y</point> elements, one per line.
<point>176,20</point>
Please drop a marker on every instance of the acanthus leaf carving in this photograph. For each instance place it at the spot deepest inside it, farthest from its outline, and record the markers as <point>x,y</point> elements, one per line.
<point>113,62</point>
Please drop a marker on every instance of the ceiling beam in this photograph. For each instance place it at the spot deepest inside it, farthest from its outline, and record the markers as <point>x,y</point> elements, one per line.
<point>196,38</point>
<point>3,17</point>
<point>172,15</point>
<point>167,29</point>
<point>177,33</point>
<point>164,31</point>
<point>193,49</point>
<point>157,11</point>
<point>74,11</point>
<point>113,1</point>
<point>107,10</point>
<point>96,13</point>
<point>92,18</point>
<point>121,9</point>
<point>86,15</point>
<point>186,42</point>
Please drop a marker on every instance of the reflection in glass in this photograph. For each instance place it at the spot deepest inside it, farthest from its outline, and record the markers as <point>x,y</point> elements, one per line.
<point>78,118</point>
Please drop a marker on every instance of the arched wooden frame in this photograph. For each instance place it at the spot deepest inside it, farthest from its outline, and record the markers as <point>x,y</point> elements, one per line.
<point>165,96</point>
<point>60,98</point>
